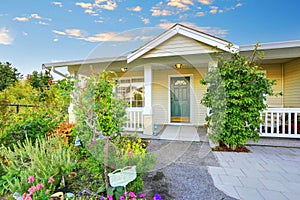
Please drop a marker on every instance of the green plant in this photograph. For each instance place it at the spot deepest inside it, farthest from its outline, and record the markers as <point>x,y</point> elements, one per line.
<point>31,125</point>
<point>235,95</point>
<point>43,159</point>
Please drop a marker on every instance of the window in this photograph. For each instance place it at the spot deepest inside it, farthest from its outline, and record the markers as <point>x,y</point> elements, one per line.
<point>132,91</point>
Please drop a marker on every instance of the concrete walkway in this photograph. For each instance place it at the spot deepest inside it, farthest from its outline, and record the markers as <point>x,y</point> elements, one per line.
<point>265,173</point>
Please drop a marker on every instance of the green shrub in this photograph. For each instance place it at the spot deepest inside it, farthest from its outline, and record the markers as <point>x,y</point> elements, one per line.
<point>43,159</point>
<point>236,92</point>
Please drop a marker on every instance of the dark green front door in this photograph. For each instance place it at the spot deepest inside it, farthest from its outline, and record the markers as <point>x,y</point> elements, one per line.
<point>180,99</point>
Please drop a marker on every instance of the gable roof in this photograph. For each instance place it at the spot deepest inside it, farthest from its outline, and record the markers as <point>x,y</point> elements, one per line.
<point>185,31</point>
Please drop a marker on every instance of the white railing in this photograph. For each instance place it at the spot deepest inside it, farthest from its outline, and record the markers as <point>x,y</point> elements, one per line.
<point>135,121</point>
<point>281,122</point>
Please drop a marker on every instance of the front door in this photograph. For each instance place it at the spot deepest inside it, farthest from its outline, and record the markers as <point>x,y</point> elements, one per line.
<point>180,99</point>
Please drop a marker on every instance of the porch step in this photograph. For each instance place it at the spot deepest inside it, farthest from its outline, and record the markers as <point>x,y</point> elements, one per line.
<point>179,132</point>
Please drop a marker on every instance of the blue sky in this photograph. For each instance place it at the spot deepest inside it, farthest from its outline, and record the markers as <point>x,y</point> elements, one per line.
<point>33,32</point>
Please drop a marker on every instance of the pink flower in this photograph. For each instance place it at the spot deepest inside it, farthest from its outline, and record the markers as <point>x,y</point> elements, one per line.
<point>93,141</point>
<point>26,197</point>
<point>131,195</point>
<point>32,190</point>
<point>30,179</point>
<point>51,179</point>
<point>130,152</point>
<point>91,147</point>
<point>109,197</point>
<point>39,186</point>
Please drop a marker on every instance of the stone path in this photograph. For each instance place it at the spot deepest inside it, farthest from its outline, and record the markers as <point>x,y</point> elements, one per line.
<point>265,173</point>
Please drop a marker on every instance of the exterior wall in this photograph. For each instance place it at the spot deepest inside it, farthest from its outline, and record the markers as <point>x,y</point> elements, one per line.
<point>179,45</point>
<point>291,94</point>
<point>160,97</point>
<point>274,72</point>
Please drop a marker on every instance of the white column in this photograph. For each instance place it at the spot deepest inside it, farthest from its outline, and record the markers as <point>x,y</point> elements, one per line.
<point>72,118</point>
<point>148,118</point>
<point>148,89</point>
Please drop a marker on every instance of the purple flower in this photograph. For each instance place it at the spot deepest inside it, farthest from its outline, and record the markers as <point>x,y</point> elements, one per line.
<point>143,195</point>
<point>109,197</point>
<point>122,198</point>
<point>157,197</point>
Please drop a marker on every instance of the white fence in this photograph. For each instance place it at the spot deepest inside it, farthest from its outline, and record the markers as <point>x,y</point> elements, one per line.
<point>281,122</point>
<point>135,120</point>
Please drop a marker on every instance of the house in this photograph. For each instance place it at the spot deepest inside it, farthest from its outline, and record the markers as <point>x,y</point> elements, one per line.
<point>161,80</point>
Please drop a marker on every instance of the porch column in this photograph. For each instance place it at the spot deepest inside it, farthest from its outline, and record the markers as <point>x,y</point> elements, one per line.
<point>72,118</point>
<point>211,64</point>
<point>147,115</point>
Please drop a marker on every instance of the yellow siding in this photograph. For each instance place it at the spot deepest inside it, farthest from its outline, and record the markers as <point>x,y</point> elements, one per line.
<point>291,93</point>
<point>274,72</point>
<point>179,45</point>
<point>160,97</point>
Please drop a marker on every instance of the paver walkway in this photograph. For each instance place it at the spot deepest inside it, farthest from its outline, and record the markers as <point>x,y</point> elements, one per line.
<point>266,173</point>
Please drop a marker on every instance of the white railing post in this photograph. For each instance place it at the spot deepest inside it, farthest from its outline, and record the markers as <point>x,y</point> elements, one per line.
<point>287,126</point>
<point>134,119</point>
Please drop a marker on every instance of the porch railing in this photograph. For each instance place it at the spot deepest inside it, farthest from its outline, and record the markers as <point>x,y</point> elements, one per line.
<point>281,122</point>
<point>135,121</point>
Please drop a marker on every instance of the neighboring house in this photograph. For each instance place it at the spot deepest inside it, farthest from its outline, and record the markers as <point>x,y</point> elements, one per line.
<point>161,80</point>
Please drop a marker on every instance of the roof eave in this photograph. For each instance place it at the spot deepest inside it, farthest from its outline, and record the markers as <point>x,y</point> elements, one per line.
<point>183,30</point>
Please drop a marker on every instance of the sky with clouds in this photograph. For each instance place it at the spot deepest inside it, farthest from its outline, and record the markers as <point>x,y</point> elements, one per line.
<point>33,32</point>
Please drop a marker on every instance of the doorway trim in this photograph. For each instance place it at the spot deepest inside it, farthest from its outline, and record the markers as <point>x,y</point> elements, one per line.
<point>191,98</point>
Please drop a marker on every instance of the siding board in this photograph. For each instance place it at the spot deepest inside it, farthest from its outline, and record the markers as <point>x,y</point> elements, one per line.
<point>291,93</point>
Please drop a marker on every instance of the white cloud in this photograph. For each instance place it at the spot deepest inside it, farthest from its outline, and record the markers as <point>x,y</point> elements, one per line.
<point>74,32</point>
<point>21,19</point>
<point>5,37</point>
<point>106,4</point>
<point>24,33</point>
<point>35,16</point>
<point>59,32</point>
<point>206,2</point>
<point>181,4</point>
<point>42,23</point>
<point>238,5</point>
<point>135,9</point>
<point>213,9</point>
<point>103,37</point>
<point>55,40</point>
<point>164,12</point>
<point>200,14</point>
<point>145,20</point>
<point>57,3</point>
<point>100,20</point>
<point>84,5</point>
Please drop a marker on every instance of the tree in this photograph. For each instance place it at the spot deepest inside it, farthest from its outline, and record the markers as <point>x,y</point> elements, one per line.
<point>42,83</point>
<point>8,75</point>
<point>99,114</point>
<point>236,93</point>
